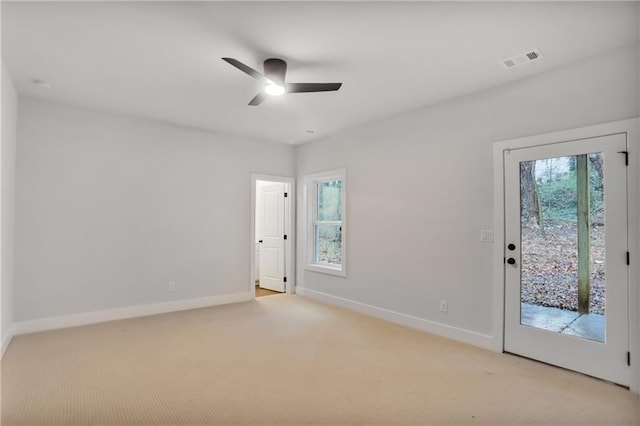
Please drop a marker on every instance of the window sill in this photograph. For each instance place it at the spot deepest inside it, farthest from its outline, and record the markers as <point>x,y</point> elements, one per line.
<point>326,270</point>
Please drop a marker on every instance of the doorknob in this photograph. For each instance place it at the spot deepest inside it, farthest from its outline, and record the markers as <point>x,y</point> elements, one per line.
<point>260,241</point>
<point>511,261</point>
<point>511,246</point>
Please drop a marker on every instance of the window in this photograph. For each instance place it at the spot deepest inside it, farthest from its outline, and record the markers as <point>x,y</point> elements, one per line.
<point>325,198</point>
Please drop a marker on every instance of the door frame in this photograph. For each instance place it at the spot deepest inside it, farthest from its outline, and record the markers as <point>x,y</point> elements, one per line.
<point>289,229</point>
<point>632,129</point>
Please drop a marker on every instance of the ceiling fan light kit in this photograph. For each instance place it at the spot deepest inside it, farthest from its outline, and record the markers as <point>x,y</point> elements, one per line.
<point>274,89</point>
<point>274,79</point>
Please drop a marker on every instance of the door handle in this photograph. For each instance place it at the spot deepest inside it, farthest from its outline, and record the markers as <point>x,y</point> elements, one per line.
<point>260,241</point>
<point>511,261</point>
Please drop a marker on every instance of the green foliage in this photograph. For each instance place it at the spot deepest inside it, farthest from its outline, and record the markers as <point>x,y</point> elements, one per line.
<point>558,199</point>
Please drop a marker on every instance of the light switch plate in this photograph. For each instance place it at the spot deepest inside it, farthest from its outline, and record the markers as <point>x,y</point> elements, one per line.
<point>486,235</point>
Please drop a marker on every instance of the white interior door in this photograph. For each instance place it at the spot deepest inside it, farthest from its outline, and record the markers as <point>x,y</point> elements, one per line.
<point>272,256</point>
<point>566,273</point>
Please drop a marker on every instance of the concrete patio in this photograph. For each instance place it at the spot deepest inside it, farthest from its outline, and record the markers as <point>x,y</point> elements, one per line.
<point>587,326</point>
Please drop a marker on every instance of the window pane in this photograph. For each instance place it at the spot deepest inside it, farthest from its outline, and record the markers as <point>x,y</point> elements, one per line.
<point>563,245</point>
<point>328,244</point>
<point>330,200</point>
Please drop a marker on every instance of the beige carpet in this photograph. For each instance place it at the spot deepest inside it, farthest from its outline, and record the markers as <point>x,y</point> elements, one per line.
<point>286,360</point>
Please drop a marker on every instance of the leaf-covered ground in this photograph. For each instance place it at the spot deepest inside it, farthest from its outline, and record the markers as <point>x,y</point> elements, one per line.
<point>550,267</point>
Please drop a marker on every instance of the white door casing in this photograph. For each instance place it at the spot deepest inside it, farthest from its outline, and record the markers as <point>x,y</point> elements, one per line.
<point>272,256</point>
<point>606,360</point>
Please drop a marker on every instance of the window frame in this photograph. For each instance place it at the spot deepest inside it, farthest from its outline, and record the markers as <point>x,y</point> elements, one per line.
<point>311,183</point>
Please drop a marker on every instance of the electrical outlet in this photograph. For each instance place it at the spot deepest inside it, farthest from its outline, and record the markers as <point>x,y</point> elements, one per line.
<point>172,286</point>
<point>443,306</point>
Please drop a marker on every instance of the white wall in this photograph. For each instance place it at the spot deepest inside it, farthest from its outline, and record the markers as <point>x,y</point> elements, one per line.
<point>110,209</point>
<point>420,187</point>
<point>8,156</point>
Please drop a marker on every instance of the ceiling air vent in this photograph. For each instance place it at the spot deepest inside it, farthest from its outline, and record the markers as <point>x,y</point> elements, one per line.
<point>523,58</point>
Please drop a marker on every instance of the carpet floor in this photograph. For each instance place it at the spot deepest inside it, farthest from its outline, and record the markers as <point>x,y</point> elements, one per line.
<point>286,360</point>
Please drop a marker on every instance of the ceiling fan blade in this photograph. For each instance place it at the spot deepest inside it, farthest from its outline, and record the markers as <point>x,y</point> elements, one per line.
<point>311,87</point>
<point>258,99</point>
<point>246,69</point>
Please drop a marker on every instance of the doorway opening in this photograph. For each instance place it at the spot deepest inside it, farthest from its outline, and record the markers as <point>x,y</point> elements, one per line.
<point>272,258</point>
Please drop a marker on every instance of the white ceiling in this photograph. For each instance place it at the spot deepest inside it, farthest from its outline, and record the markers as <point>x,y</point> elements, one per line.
<point>162,60</point>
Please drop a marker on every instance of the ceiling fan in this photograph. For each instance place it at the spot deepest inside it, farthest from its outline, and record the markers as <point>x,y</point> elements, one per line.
<point>273,78</point>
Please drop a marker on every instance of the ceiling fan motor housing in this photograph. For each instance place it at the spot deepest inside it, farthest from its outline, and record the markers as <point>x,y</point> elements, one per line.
<point>275,69</point>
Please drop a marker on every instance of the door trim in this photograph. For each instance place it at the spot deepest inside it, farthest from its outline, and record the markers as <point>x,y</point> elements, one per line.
<point>632,129</point>
<point>289,229</point>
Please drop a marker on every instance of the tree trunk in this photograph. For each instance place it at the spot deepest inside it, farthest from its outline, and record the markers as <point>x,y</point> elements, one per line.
<point>596,163</point>
<point>530,200</point>
<point>584,232</point>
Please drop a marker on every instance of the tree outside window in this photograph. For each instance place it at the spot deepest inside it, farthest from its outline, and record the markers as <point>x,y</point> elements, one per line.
<point>326,230</point>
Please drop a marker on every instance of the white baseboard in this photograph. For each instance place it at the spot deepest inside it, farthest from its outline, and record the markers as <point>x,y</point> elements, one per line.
<point>51,323</point>
<point>470,337</point>
<point>6,340</point>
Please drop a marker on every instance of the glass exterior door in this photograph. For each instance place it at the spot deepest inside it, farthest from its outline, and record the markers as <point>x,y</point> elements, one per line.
<point>565,255</point>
